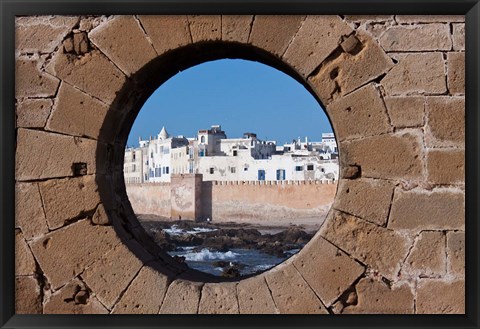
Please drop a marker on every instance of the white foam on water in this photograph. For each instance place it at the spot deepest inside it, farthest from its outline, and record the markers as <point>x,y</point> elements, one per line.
<point>174,230</point>
<point>201,230</point>
<point>206,254</point>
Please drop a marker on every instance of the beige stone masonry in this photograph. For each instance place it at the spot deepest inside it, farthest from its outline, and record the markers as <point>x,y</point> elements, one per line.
<point>73,298</point>
<point>182,298</point>
<point>73,70</point>
<point>76,113</point>
<point>456,253</point>
<point>459,36</point>
<point>24,262</point>
<point>409,19</point>
<point>54,154</point>
<point>456,73</point>
<point>359,114</point>
<point>30,81</point>
<point>219,298</point>
<point>65,199</point>
<point>42,33</point>
<point>292,295</point>
<point>351,69</point>
<point>65,253</point>
<point>428,37</point>
<point>391,156</point>
<point>145,294</point>
<point>29,214</point>
<point>324,33</point>
<point>367,199</point>
<point>405,77</point>
<point>205,27</point>
<point>124,42</point>
<point>418,210</point>
<point>111,275</point>
<point>381,249</point>
<point>427,257</point>
<point>445,121</point>
<point>166,32</point>
<point>376,297</point>
<point>331,262</point>
<point>440,297</point>
<point>406,111</point>
<point>236,27</point>
<point>274,33</point>
<point>254,296</point>
<point>446,166</point>
<point>27,295</point>
<point>33,113</point>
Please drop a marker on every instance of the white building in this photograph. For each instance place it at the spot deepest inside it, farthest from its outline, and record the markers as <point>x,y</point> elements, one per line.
<point>219,158</point>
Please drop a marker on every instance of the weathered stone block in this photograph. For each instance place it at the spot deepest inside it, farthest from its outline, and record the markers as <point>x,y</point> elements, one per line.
<point>446,166</point>
<point>318,36</point>
<point>254,297</point>
<point>456,253</point>
<point>24,262</point>
<point>296,297</point>
<point>342,74</point>
<point>30,81</point>
<point>166,32</point>
<point>427,258</point>
<point>456,73</point>
<point>100,217</point>
<point>376,297</point>
<point>73,298</point>
<point>28,299</point>
<point>425,37</point>
<point>236,27</point>
<point>273,33</point>
<point>205,27</point>
<point>112,274</point>
<point>41,34</point>
<point>76,113</point>
<point>327,269</point>
<point>422,210</point>
<point>367,199</point>
<point>124,42</point>
<point>416,74</point>
<point>182,298</point>
<point>406,111</point>
<point>380,248</point>
<point>395,156</point>
<point>33,113</point>
<point>440,297</point>
<point>65,199</point>
<point>65,253</point>
<point>29,215</point>
<point>219,298</point>
<point>445,121</point>
<point>92,73</point>
<point>145,294</point>
<point>459,36</point>
<point>48,155</point>
<point>359,114</point>
<point>408,19</point>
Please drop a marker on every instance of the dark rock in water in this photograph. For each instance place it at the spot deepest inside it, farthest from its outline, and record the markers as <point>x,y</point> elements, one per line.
<point>187,240</point>
<point>164,241</point>
<point>180,259</point>
<point>231,272</point>
<point>221,263</point>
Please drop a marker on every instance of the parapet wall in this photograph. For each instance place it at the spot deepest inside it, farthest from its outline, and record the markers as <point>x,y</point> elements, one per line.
<point>393,88</point>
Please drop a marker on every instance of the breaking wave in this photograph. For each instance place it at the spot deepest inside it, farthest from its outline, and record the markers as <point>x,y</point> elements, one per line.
<point>205,254</point>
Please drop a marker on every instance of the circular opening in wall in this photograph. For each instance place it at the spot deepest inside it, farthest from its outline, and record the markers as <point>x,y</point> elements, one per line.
<point>231,167</point>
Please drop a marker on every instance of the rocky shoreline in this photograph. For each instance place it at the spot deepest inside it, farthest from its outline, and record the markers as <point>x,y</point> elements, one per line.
<point>222,237</point>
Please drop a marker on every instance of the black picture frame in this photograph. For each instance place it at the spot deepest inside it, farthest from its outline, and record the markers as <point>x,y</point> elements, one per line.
<point>9,9</point>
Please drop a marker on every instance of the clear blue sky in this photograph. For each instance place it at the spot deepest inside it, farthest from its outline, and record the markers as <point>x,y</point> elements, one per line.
<point>241,96</point>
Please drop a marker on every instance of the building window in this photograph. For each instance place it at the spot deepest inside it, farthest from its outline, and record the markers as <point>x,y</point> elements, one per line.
<point>245,169</point>
<point>298,168</point>
<point>151,154</point>
<point>212,170</point>
<point>322,170</point>
<point>280,174</point>
<point>261,174</point>
<point>310,167</point>
<point>202,139</point>
<point>166,170</point>
<point>235,153</point>
<point>134,168</point>
<point>133,156</point>
<point>233,170</point>
<point>201,153</point>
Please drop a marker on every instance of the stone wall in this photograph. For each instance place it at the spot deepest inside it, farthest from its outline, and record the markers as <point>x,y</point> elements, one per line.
<point>393,87</point>
<point>245,201</point>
